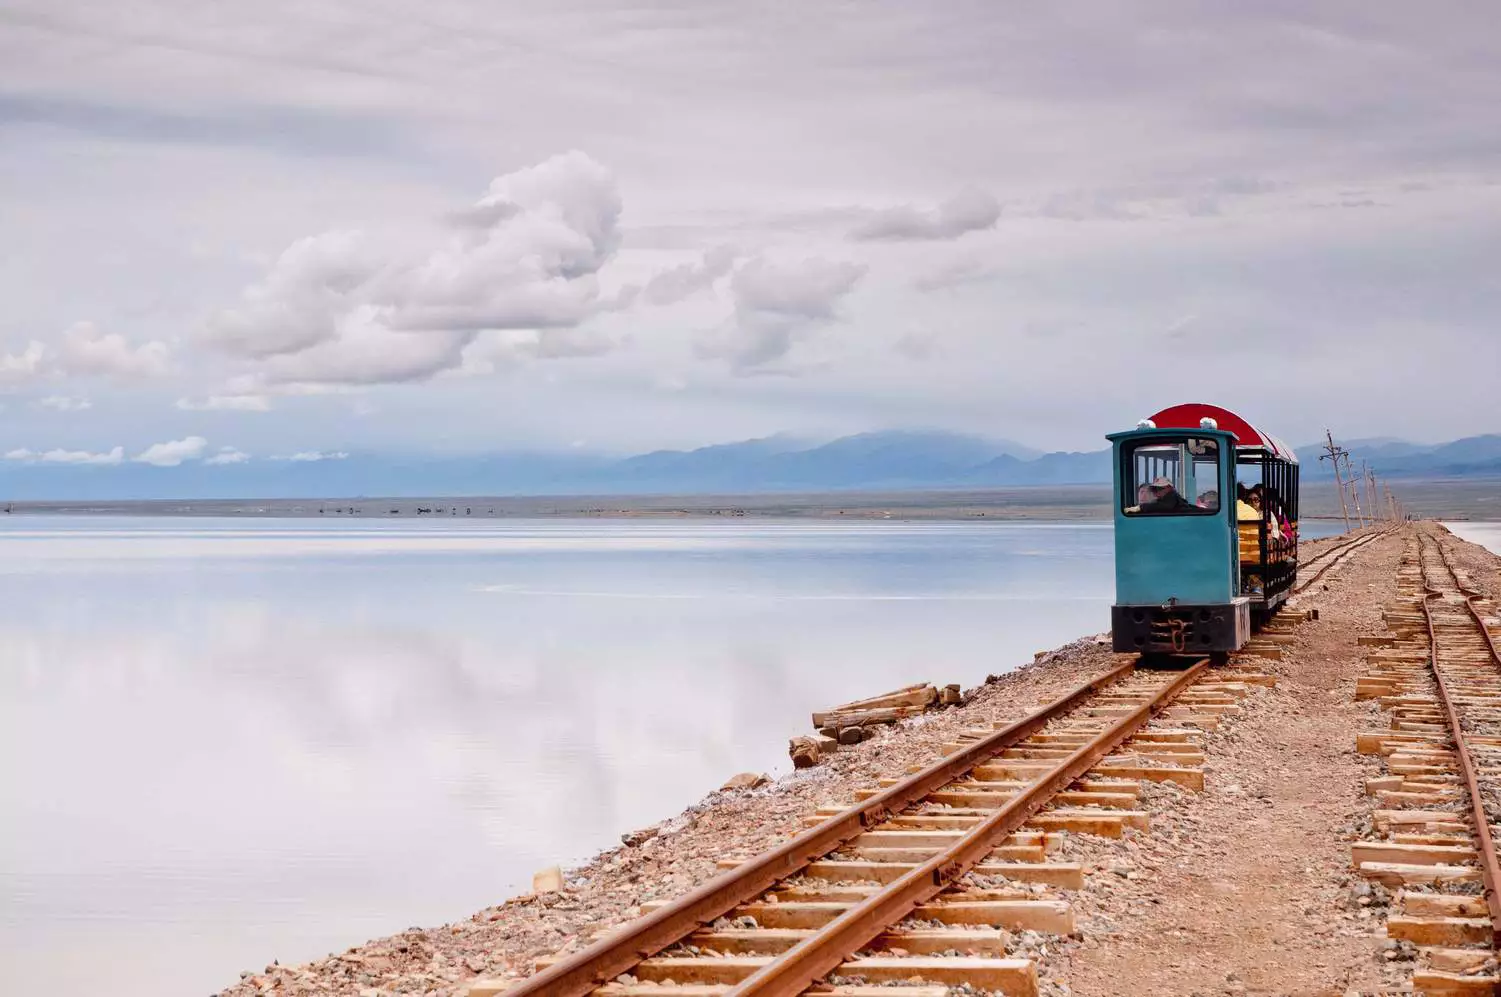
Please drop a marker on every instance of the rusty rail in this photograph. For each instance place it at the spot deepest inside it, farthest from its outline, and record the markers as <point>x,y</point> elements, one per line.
<point>1470,596</point>
<point>1349,547</point>
<point>811,959</point>
<point>642,938</point>
<point>1490,867</point>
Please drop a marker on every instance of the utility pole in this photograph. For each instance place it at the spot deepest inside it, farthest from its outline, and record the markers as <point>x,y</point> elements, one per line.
<point>1370,498</point>
<point>1354,489</point>
<point>1334,454</point>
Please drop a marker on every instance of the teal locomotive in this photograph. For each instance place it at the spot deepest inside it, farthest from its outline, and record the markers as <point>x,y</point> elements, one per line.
<point>1206,531</point>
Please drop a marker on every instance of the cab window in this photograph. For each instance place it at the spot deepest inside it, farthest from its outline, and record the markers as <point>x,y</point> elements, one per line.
<point>1171,477</point>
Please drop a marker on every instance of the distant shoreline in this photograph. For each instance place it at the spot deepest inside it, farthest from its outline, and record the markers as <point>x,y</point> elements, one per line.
<point>1071,503</point>
<point>1450,500</point>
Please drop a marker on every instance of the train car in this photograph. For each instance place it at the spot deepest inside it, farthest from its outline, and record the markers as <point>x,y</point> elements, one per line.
<point>1198,569</point>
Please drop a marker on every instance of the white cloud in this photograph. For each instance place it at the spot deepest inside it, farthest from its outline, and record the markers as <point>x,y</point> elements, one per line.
<point>25,365</point>
<point>301,299</point>
<point>337,310</point>
<point>86,351</point>
<point>227,455</point>
<point>672,286</point>
<point>778,304</point>
<point>64,403</point>
<point>309,456</point>
<point>225,403</point>
<point>173,452</point>
<point>967,211</point>
<point>115,456</point>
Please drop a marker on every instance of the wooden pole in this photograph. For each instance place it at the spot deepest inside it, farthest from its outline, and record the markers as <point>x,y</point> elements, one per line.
<point>1354,490</point>
<point>1334,454</point>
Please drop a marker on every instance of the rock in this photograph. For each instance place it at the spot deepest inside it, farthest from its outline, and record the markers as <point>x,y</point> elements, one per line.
<point>804,751</point>
<point>549,880</point>
<point>744,780</point>
<point>951,694</point>
<point>829,732</point>
<point>851,735</point>
<point>637,837</point>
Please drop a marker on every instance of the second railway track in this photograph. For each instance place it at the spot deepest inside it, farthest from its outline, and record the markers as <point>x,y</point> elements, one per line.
<point>1439,802</point>
<point>1321,564</point>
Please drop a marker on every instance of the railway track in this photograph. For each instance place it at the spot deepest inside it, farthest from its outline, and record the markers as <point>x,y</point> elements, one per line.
<point>919,887</point>
<point>1317,567</point>
<point>1439,803</point>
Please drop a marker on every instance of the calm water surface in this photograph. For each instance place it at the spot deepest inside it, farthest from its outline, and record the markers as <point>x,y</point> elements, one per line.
<point>229,741</point>
<point>1487,535</point>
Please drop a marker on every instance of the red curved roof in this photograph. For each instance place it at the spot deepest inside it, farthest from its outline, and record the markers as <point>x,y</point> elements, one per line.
<point>1188,416</point>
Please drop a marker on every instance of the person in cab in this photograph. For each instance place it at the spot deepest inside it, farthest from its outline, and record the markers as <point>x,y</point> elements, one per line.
<point>1165,498</point>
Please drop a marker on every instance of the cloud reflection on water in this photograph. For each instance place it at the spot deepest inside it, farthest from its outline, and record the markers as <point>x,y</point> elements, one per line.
<point>227,759</point>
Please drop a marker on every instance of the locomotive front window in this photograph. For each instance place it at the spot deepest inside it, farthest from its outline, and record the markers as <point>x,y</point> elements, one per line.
<point>1171,477</point>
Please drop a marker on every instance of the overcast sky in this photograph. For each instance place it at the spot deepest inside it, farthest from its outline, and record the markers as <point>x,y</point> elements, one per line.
<point>301,227</point>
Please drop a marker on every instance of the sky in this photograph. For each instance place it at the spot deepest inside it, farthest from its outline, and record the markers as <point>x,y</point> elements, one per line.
<point>293,230</point>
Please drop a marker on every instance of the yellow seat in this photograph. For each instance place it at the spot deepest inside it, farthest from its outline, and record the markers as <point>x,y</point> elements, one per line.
<point>1250,542</point>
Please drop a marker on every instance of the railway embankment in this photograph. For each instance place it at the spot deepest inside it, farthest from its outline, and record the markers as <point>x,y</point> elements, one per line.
<point>1236,880</point>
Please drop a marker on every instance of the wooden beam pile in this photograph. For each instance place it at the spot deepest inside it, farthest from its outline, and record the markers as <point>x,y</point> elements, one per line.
<point>851,723</point>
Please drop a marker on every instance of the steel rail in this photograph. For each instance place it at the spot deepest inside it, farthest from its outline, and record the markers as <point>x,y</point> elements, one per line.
<point>1470,596</point>
<point>1338,553</point>
<point>642,938</point>
<point>813,958</point>
<point>1490,867</point>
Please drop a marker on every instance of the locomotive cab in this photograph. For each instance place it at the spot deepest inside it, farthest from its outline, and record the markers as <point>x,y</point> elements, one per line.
<point>1192,573</point>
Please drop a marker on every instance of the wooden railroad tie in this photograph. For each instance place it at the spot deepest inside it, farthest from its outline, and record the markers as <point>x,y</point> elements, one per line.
<point>1433,665</point>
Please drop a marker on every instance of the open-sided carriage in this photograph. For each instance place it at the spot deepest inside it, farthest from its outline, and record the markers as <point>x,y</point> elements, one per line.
<point>1196,569</point>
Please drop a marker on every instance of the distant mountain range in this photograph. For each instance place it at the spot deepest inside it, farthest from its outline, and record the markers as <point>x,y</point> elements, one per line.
<point>1471,457</point>
<point>892,460</point>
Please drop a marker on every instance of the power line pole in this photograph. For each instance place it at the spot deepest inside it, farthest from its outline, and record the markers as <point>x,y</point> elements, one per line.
<point>1354,490</point>
<point>1370,496</point>
<point>1333,454</point>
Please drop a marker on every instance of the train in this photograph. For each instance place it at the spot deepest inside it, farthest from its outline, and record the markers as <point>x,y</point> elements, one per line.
<point>1206,532</point>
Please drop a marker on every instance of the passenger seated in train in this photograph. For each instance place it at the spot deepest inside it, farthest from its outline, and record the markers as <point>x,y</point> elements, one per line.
<point>1245,512</point>
<point>1164,497</point>
<point>1209,500</point>
<point>1248,516</point>
<point>1276,513</point>
<point>1270,506</point>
